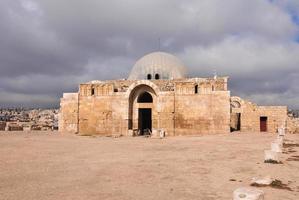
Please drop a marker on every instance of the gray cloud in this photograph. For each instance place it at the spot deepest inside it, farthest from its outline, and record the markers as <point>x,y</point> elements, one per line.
<point>48,46</point>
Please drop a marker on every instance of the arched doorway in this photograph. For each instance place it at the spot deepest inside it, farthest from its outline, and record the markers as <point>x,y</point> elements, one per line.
<point>145,113</point>
<point>142,116</point>
<point>235,117</point>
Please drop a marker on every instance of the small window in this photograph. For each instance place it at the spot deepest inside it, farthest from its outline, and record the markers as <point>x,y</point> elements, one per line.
<point>157,76</point>
<point>196,89</point>
<point>92,91</point>
<point>149,77</point>
<point>213,88</point>
<point>235,104</point>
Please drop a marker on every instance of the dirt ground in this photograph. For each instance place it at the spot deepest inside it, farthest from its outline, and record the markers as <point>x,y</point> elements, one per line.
<point>60,166</point>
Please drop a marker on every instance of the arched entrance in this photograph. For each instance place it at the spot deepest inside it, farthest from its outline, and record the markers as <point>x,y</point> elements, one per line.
<point>145,100</point>
<point>142,113</point>
<point>235,116</point>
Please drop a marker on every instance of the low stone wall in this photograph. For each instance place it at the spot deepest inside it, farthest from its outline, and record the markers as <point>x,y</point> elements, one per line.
<point>2,126</point>
<point>251,114</point>
<point>293,125</point>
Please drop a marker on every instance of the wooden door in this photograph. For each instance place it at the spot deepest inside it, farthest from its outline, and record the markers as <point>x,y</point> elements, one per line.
<point>263,124</point>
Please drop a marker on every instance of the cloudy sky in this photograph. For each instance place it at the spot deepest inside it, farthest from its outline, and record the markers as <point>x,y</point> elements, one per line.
<point>48,47</point>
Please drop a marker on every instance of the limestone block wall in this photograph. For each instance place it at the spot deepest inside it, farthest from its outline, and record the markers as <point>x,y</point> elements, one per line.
<point>68,114</point>
<point>277,116</point>
<point>180,107</point>
<point>202,113</point>
<point>104,110</point>
<point>165,112</point>
<point>293,125</point>
<point>2,126</point>
<point>103,115</point>
<point>251,113</point>
<point>213,84</point>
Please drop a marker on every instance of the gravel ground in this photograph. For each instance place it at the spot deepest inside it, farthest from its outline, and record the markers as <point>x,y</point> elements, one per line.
<point>51,165</point>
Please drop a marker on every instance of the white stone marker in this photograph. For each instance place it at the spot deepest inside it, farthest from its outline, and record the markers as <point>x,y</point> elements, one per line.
<point>271,156</point>
<point>276,147</point>
<point>248,193</point>
<point>155,133</point>
<point>279,140</point>
<point>281,131</point>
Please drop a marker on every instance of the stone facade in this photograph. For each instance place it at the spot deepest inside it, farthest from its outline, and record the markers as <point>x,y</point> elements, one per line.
<point>247,116</point>
<point>162,100</point>
<point>180,107</point>
<point>293,125</point>
<point>68,116</point>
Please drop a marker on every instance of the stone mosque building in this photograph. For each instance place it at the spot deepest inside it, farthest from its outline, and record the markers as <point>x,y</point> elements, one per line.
<point>158,96</point>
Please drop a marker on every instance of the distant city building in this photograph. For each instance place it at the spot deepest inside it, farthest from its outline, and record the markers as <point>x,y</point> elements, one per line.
<point>27,119</point>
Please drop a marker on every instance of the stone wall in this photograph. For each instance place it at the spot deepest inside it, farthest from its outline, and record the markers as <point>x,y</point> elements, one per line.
<point>251,114</point>
<point>68,116</point>
<point>293,125</point>
<point>103,115</point>
<point>180,107</point>
<point>202,113</point>
<point>106,109</point>
<point>2,126</point>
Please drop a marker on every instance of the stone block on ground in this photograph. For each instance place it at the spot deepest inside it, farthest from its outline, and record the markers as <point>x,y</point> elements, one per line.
<point>248,193</point>
<point>280,140</point>
<point>158,133</point>
<point>261,181</point>
<point>276,147</point>
<point>162,134</point>
<point>130,133</point>
<point>281,131</point>
<point>271,157</point>
<point>155,133</point>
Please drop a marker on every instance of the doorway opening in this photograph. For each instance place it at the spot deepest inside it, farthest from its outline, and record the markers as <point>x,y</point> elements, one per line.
<point>263,124</point>
<point>145,120</point>
<point>238,128</point>
<point>235,122</point>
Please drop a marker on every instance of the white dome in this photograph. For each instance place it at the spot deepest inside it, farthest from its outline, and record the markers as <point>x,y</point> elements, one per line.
<point>163,65</point>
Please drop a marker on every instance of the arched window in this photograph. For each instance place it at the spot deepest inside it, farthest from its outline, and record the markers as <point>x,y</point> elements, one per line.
<point>92,91</point>
<point>157,76</point>
<point>149,77</point>
<point>235,104</point>
<point>145,97</point>
<point>196,89</point>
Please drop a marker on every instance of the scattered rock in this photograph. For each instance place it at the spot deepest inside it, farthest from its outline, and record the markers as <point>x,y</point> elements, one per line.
<point>248,193</point>
<point>271,157</point>
<point>279,185</point>
<point>267,181</point>
<point>272,161</point>
<point>261,182</point>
